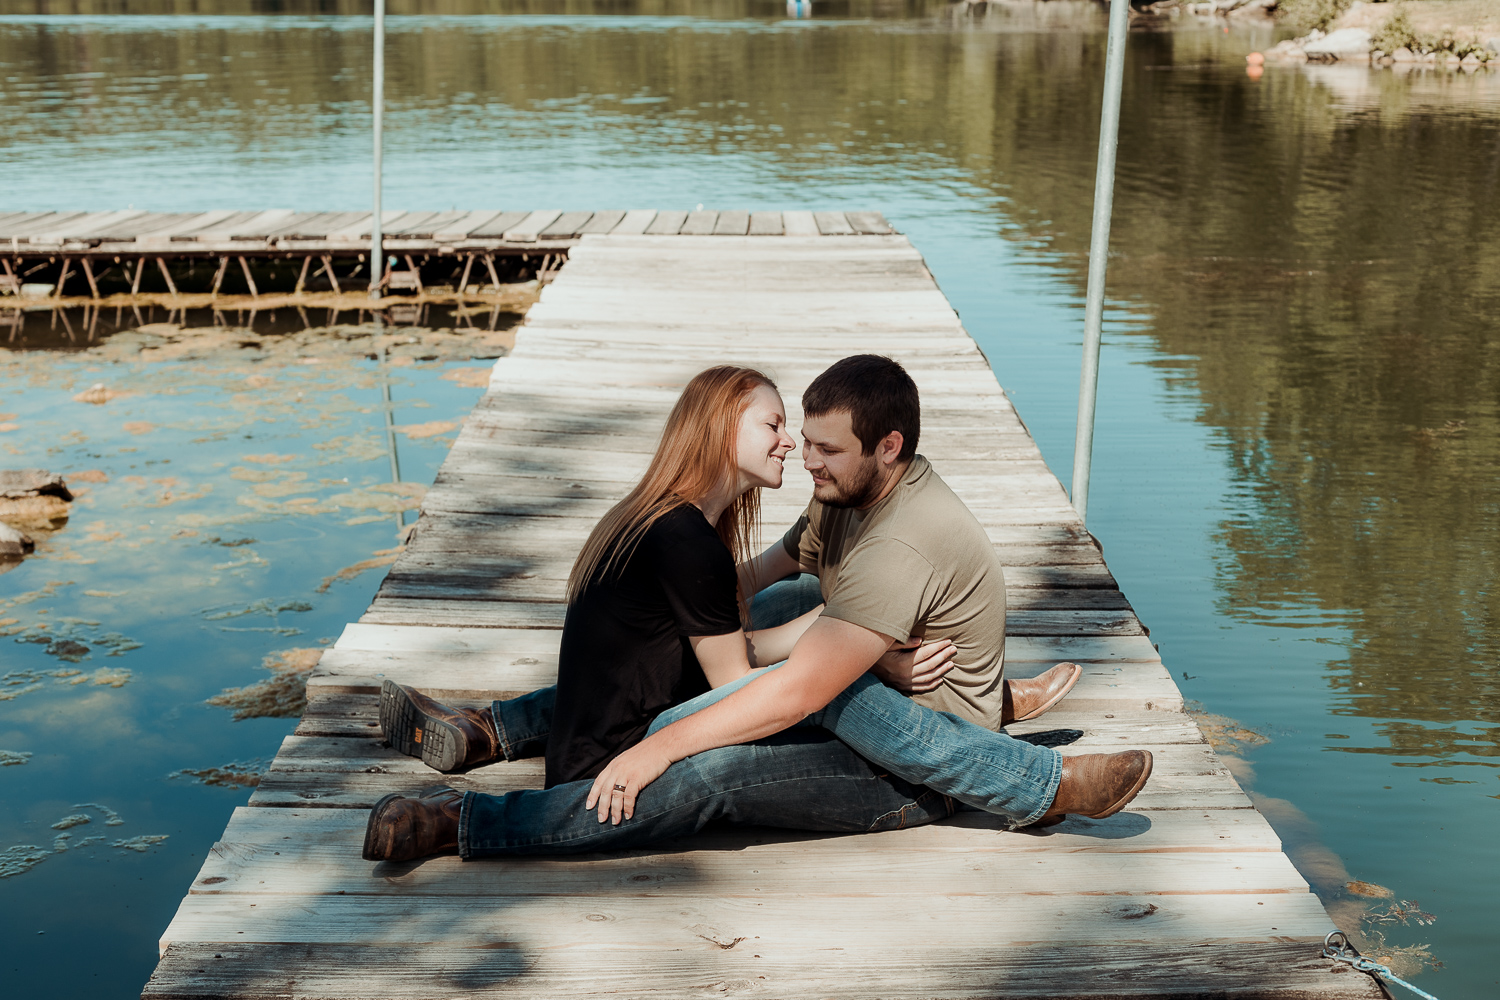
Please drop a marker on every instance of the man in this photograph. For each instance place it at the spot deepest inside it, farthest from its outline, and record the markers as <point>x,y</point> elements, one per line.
<point>897,556</point>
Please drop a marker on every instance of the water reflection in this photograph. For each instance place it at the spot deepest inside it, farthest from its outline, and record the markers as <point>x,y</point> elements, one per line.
<point>74,328</point>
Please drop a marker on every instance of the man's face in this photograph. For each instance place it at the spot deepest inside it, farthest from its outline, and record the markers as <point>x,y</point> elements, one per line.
<point>842,475</point>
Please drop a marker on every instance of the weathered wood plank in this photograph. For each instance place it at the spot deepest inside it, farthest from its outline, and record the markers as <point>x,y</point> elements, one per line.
<point>636,221</point>
<point>666,223</point>
<point>699,223</point>
<point>732,223</point>
<point>301,869</point>
<point>603,222</point>
<point>567,224</point>
<point>531,227</point>
<point>799,224</point>
<point>1223,830</point>
<point>497,227</point>
<point>1252,961</point>
<point>766,224</point>
<point>460,228</point>
<point>833,224</point>
<point>869,222</point>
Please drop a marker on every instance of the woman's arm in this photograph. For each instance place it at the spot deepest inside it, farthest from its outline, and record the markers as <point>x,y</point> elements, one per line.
<point>722,657</point>
<point>729,657</point>
<point>772,645</point>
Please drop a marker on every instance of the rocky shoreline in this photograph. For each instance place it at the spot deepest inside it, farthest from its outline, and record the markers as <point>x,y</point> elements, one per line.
<point>1450,34</point>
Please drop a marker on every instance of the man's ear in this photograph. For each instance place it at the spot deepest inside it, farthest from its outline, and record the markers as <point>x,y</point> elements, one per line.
<point>890,447</point>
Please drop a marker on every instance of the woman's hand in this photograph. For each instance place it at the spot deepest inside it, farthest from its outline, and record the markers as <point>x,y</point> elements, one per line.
<point>623,778</point>
<point>916,667</point>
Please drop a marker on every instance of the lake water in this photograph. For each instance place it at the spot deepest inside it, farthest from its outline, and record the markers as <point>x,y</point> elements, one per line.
<point>1297,470</point>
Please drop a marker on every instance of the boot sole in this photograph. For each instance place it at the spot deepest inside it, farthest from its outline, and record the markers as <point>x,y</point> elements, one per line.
<point>438,744</point>
<point>1052,703</point>
<point>1135,789</point>
<point>368,852</point>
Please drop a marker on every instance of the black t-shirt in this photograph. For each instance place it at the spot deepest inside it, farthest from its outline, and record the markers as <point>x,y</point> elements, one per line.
<point>625,656</point>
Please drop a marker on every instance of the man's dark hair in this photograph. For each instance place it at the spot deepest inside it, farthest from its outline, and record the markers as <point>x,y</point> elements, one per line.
<point>877,394</point>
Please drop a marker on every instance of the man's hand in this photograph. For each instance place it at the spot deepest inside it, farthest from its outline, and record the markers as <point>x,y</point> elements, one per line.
<point>623,778</point>
<point>916,667</point>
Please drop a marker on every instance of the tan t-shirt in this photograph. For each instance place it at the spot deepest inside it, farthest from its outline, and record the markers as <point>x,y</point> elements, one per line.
<point>918,563</point>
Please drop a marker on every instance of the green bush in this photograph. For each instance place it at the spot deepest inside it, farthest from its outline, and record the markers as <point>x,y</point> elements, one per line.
<point>1396,32</point>
<point>1305,15</point>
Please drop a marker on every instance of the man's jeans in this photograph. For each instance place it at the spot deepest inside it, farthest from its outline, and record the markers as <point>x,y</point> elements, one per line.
<point>796,779</point>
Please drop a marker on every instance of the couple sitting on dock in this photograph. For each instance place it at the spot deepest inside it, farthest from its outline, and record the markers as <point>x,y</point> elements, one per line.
<point>849,678</point>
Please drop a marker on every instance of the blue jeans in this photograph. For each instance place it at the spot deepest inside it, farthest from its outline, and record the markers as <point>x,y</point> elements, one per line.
<point>801,779</point>
<point>982,769</point>
<point>795,779</point>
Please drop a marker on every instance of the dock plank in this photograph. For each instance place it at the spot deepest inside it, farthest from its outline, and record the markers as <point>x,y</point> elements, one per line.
<point>1274,964</point>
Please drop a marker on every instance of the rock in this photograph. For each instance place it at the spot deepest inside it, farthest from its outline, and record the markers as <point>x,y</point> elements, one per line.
<point>37,290</point>
<point>1404,55</point>
<point>37,511</point>
<point>98,394</point>
<point>1286,50</point>
<point>16,483</point>
<point>1493,44</point>
<point>1471,61</point>
<point>13,544</point>
<point>1251,8</point>
<point>1345,43</point>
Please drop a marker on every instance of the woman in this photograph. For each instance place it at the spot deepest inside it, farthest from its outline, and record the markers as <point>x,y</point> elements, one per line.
<point>656,616</point>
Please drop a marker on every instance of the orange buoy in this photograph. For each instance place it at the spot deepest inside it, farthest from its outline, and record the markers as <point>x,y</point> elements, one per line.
<point>1255,59</point>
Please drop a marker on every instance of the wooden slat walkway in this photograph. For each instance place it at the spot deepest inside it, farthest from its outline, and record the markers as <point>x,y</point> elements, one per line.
<point>1187,893</point>
<point>194,233</point>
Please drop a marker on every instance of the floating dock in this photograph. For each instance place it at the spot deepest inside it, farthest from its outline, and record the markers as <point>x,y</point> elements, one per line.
<point>86,246</point>
<point>1185,894</point>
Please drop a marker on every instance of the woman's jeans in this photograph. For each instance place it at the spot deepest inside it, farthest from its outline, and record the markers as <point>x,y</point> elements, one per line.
<point>799,779</point>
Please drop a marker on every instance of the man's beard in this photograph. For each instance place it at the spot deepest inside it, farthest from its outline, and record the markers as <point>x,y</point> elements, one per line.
<point>858,491</point>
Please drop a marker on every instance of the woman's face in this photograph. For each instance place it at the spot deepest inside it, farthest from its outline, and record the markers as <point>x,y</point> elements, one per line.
<point>763,440</point>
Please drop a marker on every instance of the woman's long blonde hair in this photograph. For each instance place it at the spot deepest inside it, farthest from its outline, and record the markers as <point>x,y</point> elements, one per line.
<point>696,453</point>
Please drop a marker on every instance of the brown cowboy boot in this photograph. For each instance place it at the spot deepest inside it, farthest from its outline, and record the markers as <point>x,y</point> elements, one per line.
<point>446,739</point>
<point>1097,785</point>
<point>402,828</point>
<point>1028,699</point>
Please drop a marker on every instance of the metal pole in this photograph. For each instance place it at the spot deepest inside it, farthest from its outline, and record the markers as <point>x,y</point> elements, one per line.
<point>1104,196</point>
<point>385,398</point>
<point>377,103</point>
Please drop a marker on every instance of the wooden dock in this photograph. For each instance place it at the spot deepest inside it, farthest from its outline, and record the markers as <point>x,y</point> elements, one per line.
<point>1187,893</point>
<point>85,246</point>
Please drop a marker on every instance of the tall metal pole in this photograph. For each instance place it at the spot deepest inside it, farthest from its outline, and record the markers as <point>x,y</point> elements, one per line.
<point>377,103</point>
<point>1104,196</point>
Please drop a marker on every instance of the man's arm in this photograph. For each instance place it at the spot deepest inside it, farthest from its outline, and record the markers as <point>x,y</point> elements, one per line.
<point>831,655</point>
<point>765,569</point>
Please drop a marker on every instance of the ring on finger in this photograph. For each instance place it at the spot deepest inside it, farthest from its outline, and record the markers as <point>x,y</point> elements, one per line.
<point>619,788</point>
